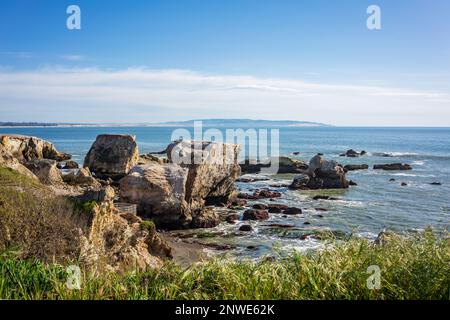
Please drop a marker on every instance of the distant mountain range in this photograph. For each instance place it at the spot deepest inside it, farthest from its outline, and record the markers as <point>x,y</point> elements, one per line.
<point>233,123</point>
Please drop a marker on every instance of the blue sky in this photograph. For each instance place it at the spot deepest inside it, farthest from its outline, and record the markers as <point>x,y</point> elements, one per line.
<point>145,61</point>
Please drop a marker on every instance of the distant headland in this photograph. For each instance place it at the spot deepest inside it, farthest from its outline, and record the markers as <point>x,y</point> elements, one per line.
<point>187,123</point>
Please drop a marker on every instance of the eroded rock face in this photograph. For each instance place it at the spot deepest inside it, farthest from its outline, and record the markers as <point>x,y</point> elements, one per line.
<point>45,170</point>
<point>160,193</point>
<point>321,174</point>
<point>7,160</point>
<point>25,148</point>
<point>112,156</point>
<point>175,194</point>
<point>213,170</point>
<point>120,242</point>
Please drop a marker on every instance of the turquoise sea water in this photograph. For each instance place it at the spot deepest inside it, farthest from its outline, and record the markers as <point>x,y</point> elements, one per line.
<point>373,205</point>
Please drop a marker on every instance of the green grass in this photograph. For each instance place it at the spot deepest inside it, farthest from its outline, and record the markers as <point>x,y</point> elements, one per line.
<point>417,267</point>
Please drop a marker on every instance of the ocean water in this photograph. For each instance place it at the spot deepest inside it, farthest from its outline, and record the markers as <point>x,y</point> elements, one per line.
<point>375,204</point>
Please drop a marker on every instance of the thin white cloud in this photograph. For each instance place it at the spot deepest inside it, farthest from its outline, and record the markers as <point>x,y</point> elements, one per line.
<point>143,95</point>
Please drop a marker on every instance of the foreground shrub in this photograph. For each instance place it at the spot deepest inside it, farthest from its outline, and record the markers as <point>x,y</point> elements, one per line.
<point>35,221</point>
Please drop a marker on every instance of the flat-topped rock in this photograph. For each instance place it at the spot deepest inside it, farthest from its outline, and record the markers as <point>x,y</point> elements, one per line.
<point>285,165</point>
<point>392,167</point>
<point>354,167</point>
<point>112,156</point>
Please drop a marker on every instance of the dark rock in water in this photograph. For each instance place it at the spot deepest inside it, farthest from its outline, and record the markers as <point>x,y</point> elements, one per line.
<point>293,211</point>
<point>239,203</point>
<point>207,219</point>
<point>71,165</point>
<point>285,165</point>
<point>354,167</point>
<point>353,154</point>
<point>392,166</point>
<point>246,228</point>
<point>255,215</point>
<point>246,196</point>
<point>265,193</point>
<point>277,208</point>
<point>436,184</point>
<point>319,216</point>
<point>279,185</point>
<point>279,225</point>
<point>260,206</point>
<point>232,218</point>
<point>324,198</point>
<point>320,154</point>
<point>391,180</point>
<point>350,153</point>
<point>296,153</point>
<point>404,184</point>
<point>251,247</point>
<point>321,174</point>
<point>352,183</point>
<point>321,209</point>
<point>306,223</point>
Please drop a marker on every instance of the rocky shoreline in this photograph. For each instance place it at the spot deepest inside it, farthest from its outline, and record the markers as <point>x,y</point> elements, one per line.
<point>168,194</point>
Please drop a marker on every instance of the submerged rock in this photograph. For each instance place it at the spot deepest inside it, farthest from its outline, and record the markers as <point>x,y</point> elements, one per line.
<point>245,228</point>
<point>321,174</point>
<point>25,148</point>
<point>112,156</point>
<point>392,166</point>
<point>324,198</point>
